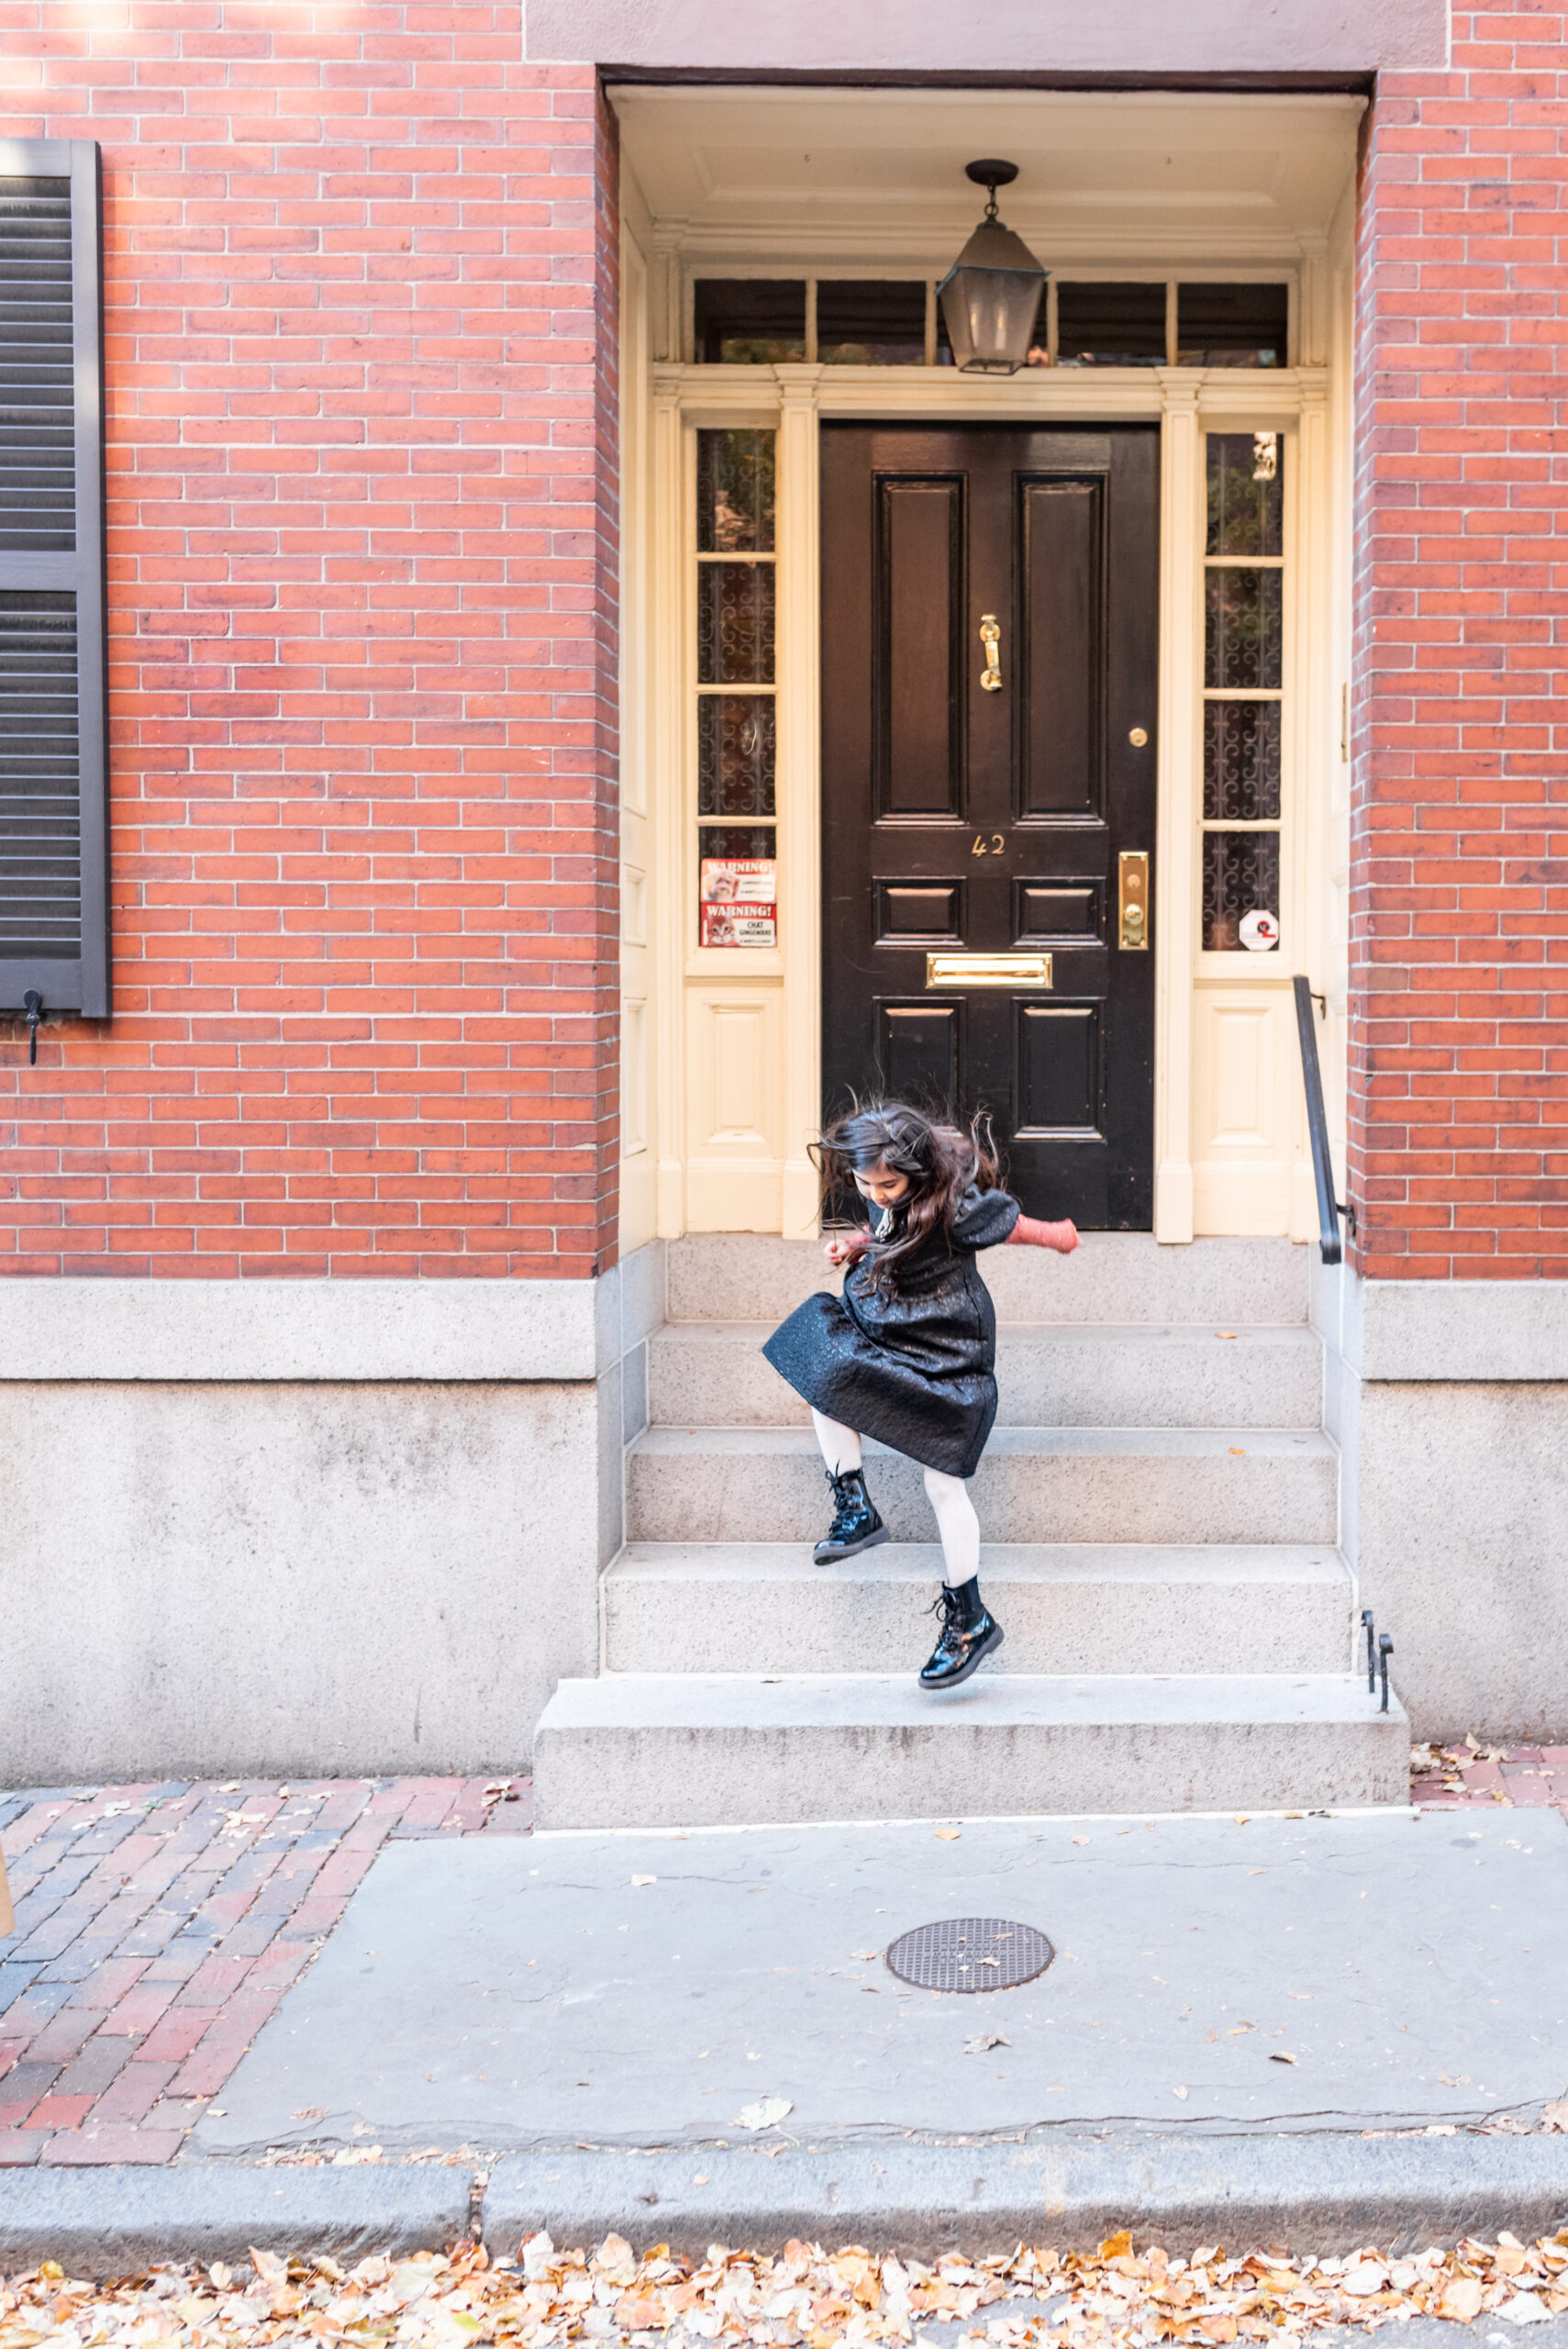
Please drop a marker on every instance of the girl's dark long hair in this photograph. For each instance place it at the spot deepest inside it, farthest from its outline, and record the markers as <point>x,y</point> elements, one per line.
<point>940,1161</point>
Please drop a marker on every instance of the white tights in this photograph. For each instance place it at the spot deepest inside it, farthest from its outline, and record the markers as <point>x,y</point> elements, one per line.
<point>948,1495</point>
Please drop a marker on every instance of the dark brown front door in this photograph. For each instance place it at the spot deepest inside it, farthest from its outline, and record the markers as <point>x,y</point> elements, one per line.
<point>964,821</point>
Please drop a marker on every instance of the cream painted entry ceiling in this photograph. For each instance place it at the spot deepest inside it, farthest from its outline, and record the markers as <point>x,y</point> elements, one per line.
<point>876,177</point>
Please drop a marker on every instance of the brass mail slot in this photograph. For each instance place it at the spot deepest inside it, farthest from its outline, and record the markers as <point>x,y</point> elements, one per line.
<point>988,971</point>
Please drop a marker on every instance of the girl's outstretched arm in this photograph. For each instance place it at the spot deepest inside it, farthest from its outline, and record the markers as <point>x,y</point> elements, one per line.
<point>1029,1232</point>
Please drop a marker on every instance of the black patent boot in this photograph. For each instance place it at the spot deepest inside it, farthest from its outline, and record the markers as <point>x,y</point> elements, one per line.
<point>967,1637</point>
<point>856,1525</point>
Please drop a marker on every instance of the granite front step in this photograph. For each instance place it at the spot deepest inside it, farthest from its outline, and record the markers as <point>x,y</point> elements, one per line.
<point>713,1373</point>
<point>1066,1607</point>
<point>1159,1485</point>
<point>1115,1277</point>
<point>698,1750</point>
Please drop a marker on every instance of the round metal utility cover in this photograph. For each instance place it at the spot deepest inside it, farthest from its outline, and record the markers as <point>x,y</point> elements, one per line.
<point>969,1954</point>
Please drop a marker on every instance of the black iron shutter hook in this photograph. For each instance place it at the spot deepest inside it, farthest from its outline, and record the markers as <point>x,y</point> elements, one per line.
<point>32,1003</point>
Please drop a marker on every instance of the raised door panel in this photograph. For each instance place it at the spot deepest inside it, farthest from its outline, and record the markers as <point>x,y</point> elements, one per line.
<point>919,577</point>
<point>920,1052</point>
<point>1246,1096</point>
<point>1061,677</point>
<point>1060,1049</point>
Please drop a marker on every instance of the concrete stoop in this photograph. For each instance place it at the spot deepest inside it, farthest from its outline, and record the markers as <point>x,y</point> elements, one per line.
<point>714,1374</point>
<point>1160,1506</point>
<point>698,1749</point>
<point>1069,1607</point>
<point>1082,1483</point>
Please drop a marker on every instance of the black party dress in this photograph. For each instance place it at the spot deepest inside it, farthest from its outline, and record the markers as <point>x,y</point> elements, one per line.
<point>914,1365</point>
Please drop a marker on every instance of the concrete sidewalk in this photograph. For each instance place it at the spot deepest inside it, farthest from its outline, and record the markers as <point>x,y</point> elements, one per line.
<point>1418,1951</point>
<point>1338,1974</point>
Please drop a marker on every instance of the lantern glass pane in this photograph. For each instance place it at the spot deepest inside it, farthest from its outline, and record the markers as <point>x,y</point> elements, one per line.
<point>991,317</point>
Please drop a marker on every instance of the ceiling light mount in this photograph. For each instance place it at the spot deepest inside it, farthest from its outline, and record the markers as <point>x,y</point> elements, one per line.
<point>991,174</point>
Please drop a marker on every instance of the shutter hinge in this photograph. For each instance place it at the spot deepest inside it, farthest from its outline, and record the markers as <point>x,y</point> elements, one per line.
<point>32,1003</point>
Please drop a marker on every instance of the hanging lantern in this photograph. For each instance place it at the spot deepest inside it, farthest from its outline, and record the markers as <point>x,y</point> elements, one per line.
<point>990,297</point>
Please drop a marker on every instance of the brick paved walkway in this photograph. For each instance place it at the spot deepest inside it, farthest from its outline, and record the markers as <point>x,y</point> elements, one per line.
<point>1444,1777</point>
<point>157,1928</point>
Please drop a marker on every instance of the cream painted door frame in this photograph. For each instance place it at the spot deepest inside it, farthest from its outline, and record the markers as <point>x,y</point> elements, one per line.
<point>733,1037</point>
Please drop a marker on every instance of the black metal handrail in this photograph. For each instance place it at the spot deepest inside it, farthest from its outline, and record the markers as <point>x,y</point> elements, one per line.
<point>1329,1208</point>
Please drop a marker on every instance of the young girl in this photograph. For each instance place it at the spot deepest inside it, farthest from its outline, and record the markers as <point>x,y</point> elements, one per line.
<point>909,1355</point>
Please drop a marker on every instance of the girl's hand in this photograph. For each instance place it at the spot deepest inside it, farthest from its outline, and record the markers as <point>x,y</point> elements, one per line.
<point>841,1251</point>
<point>1029,1232</point>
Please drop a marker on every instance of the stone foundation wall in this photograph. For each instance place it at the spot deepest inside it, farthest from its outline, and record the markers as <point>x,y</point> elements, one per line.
<point>331,1565</point>
<point>1451,1409</point>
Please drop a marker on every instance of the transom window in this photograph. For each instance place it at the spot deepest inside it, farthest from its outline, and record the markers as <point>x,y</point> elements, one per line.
<point>897,322</point>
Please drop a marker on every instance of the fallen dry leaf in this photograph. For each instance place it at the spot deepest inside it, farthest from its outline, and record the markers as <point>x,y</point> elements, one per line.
<point>983,2040</point>
<point>947,1834</point>
<point>645,1879</point>
<point>1120,2296</point>
<point>1279,2056</point>
<point>1462,2298</point>
<point>766,2113</point>
<point>1181,2092</point>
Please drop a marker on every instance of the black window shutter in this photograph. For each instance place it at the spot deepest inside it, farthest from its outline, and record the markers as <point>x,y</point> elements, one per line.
<point>54,906</point>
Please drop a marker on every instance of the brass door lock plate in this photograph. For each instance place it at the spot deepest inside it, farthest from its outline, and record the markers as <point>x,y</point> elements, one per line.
<point>1132,866</point>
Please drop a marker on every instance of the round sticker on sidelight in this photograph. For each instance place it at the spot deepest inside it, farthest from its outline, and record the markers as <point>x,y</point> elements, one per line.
<point>1258,931</point>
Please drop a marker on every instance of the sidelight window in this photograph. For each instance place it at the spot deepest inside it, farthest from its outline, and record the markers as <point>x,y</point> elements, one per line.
<point>1244,692</point>
<point>736,735</point>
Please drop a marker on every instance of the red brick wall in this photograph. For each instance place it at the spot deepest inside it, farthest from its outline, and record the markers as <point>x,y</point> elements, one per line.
<point>359,265</point>
<point>1459,951</point>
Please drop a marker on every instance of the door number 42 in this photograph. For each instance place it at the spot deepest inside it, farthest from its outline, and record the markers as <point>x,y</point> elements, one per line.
<point>981,848</point>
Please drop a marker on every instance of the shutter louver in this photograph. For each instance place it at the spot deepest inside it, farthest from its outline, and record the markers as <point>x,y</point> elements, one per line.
<point>53,775</point>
